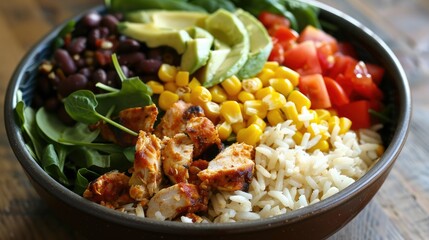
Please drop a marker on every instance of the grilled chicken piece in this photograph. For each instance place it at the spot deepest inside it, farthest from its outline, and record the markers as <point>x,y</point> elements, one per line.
<point>203,134</point>
<point>146,177</point>
<point>176,157</point>
<point>175,118</point>
<point>196,167</point>
<point>136,119</point>
<point>181,198</point>
<point>231,170</point>
<point>110,190</point>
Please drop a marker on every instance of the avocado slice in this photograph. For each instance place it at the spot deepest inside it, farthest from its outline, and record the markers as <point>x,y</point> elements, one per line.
<point>226,28</point>
<point>168,19</point>
<point>197,50</point>
<point>155,36</point>
<point>260,45</point>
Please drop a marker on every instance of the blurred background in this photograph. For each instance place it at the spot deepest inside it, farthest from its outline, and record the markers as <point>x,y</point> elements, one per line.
<point>400,210</point>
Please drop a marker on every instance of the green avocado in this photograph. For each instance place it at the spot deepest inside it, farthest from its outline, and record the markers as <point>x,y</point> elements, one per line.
<point>260,45</point>
<point>168,19</point>
<point>197,50</point>
<point>228,29</point>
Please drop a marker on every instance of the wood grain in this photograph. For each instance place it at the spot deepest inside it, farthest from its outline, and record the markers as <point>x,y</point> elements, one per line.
<point>400,210</point>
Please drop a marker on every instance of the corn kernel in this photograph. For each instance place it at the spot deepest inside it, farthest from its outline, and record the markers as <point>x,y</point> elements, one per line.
<point>236,127</point>
<point>265,75</point>
<point>224,130</point>
<point>345,125</point>
<point>167,73</point>
<point>380,150</point>
<point>255,119</point>
<point>156,87</point>
<point>186,97</point>
<point>315,116</point>
<point>250,135</point>
<point>299,99</point>
<point>244,96</point>
<point>231,112</point>
<point>194,83</point>
<point>218,94</point>
<point>323,114</point>
<point>332,122</point>
<point>273,65</point>
<point>291,113</point>
<point>170,86</point>
<point>322,145</point>
<point>251,84</point>
<point>274,100</point>
<point>275,117</point>
<point>285,72</point>
<point>211,111</point>
<point>255,107</point>
<point>281,85</point>
<point>232,85</point>
<point>261,93</point>
<point>297,137</point>
<point>200,95</point>
<point>182,78</point>
<point>167,99</point>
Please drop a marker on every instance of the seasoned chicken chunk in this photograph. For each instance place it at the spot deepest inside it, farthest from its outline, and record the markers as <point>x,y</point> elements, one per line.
<point>175,118</point>
<point>136,119</point>
<point>181,198</point>
<point>231,170</point>
<point>110,190</point>
<point>176,157</point>
<point>146,177</point>
<point>203,134</point>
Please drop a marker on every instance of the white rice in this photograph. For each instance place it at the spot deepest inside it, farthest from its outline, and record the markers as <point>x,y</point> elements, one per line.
<point>287,177</point>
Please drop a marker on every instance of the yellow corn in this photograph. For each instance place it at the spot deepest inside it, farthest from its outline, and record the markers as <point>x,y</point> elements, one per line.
<point>211,110</point>
<point>244,96</point>
<point>291,113</point>
<point>236,127</point>
<point>281,85</point>
<point>333,112</point>
<point>224,130</point>
<point>231,112</point>
<point>275,117</point>
<point>250,135</point>
<point>345,125</point>
<point>274,100</point>
<point>299,99</point>
<point>200,95</point>
<point>315,116</point>
<point>255,119</point>
<point>170,86</point>
<point>285,72</point>
<point>332,122</point>
<point>261,93</point>
<point>255,107</point>
<point>156,87</point>
<point>297,137</point>
<point>322,145</point>
<point>232,85</point>
<point>273,65</point>
<point>186,97</point>
<point>167,99</point>
<point>218,94</point>
<point>167,73</point>
<point>380,150</point>
<point>265,75</point>
<point>323,114</point>
<point>182,78</point>
<point>194,83</point>
<point>252,84</point>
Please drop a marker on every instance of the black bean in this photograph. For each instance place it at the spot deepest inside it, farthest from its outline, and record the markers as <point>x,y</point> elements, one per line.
<point>64,116</point>
<point>171,57</point>
<point>85,71</point>
<point>72,83</point>
<point>155,53</point>
<point>65,61</point>
<point>128,46</point>
<point>148,66</point>
<point>44,86</point>
<point>125,70</point>
<point>131,59</point>
<point>51,104</point>
<point>100,76</point>
<point>77,45</point>
<point>91,20</point>
<point>111,22</point>
<point>95,35</point>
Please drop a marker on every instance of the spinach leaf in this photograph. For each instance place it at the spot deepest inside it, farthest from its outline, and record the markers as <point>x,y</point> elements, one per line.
<point>83,177</point>
<point>133,5</point>
<point>53,163</point>
<point>305,14</point>
<point>86,157</point>
<point>213,5</point>
<point>68,28</point>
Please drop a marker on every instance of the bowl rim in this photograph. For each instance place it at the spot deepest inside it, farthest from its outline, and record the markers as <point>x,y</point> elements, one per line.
<point>70,198</point>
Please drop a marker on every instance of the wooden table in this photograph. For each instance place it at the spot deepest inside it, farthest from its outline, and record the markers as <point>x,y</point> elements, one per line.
<point>400,210</point>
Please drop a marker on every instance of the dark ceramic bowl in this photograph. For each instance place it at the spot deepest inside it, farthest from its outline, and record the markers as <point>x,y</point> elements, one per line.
<point>316,221</point>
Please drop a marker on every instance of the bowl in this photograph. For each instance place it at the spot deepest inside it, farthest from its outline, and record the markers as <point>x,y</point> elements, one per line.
<point>316,221</point>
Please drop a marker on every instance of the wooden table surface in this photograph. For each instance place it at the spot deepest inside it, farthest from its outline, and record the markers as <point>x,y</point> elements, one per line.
<point>400,210</point>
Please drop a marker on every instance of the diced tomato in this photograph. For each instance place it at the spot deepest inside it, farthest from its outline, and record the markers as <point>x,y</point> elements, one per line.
<point>362,82</point>
<point>303,58</point>
<point>376,72</point>
<point>357,112</point>
<point>313,86</point>
<point>326,57</point>
<point>347,49</point>
<point>277,53</point>
<point>337,95</point>
<point>318,36</point>
<point>270,19</point>
<point>345,83</point>
<point>341,64</point>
